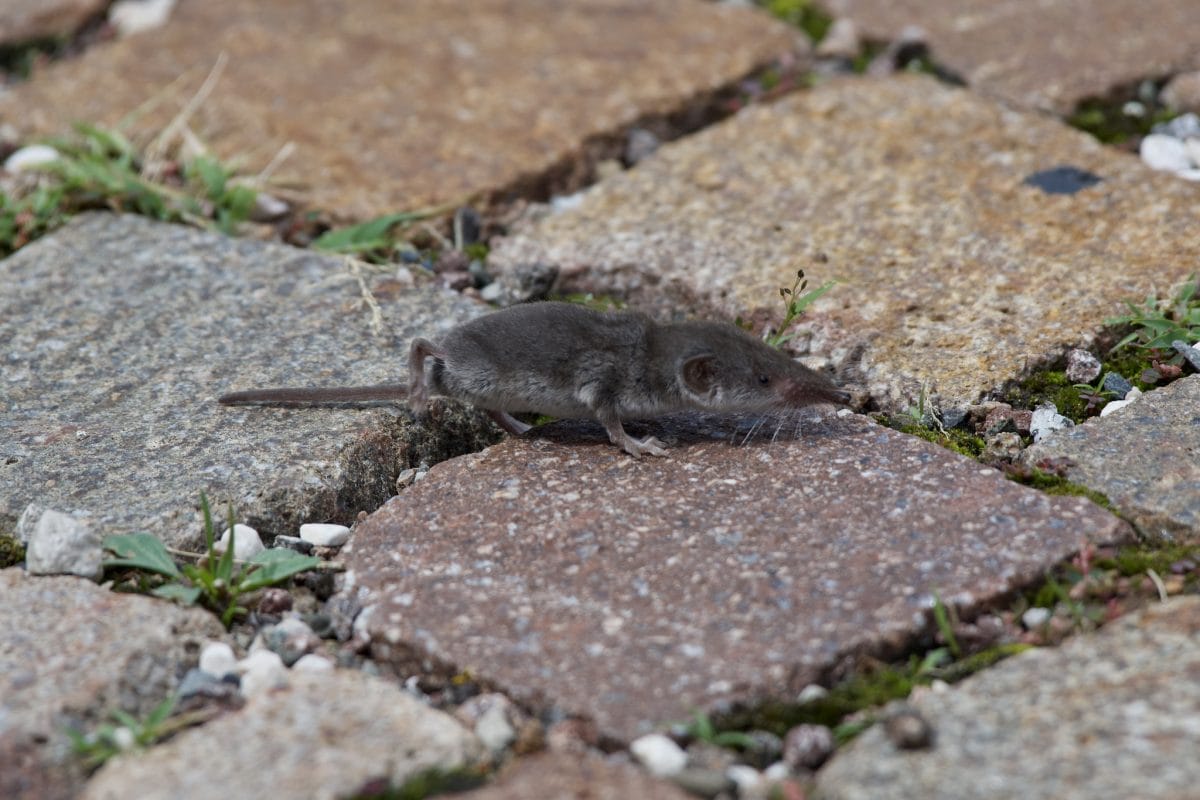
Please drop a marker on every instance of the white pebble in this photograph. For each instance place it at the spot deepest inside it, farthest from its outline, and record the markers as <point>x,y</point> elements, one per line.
<point>268,207</point>
<point>324,535</point>
<point>123,738</point>
<point>246,542</point>
<point>814,691</point>
<point>64,544</point>
<point>749,781</point>
<point>659,754</point>
<point>778,771</point>
<point>313,663</point>
<point>1046,420</point>
<point>1163,152</point>
<point>135,16</point>
<point>1117,405</point>
<point>1193,150</point>
<point>217,658</point>
<point>1035,617</point>
<point>262,671</point>
<point>494,729</point>
<point>34,155</point>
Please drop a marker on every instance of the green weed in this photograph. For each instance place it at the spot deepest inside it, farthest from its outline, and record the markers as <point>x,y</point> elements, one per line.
<point>124,733</point>
<point>804,14</point>
<point>217,581</point>
<point>1157,323</point>
<point>375,239</point>
<point>796,301</point>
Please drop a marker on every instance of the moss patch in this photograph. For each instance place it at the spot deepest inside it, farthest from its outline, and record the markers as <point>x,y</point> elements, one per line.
<point>962,442</point>
<point>1050,483</point>
<point>12,552</point>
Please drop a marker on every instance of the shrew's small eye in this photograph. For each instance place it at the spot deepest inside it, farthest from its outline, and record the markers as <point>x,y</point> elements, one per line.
<point>764,379</point>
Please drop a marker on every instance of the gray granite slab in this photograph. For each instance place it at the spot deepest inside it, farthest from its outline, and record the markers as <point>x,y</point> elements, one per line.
<point>1145,458</point>
<point>1112,714</point>
<point>634,591</point>
<point>1047,54</point>
<point>70,653</point>
<point>326,736</point>
<point>118,333</point>
<point>957,272</point>
<point>392,106</point>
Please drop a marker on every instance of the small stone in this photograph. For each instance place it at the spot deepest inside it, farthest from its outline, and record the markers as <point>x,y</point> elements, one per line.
<point>1035,618</point>
<point>1190,353</point>
<point>131,17</point>
<point>1082,366</point>
<point>778,771</point>
<point>762,748</point>
<point>1182,92</point>
<point>324,535</point>
<point>1185,126</point>
<point>293,543</point>
<point>807,746</point>
<point>1117,405</point>
<point>313,663</point>
<point>1115,382</point>
<point>702,782</point>
<point>217,658</point>
<point>709,756</point>
<point>199,688</point>
<point>1046,420</point>
<point>274,601</point>
<point>749,781</point>
<point>31,157</point>
<point>998,419</point>
<point>659,754</point>
<point>1001,448</point>
<point>1183,566</point>
<point>639,144</point>
<point>268,207</point>
<point>908,730</point>
<point>841,40</point>
<point>63,544</point>
<point>1166,153</point>
<point>246,542</point>
<point>290,638</point>
<point>495,730</point>
<point>1022,418</point>
<point>814,691</point>
<point>262,671</point>
<point>123,738</point>
<point>468,226</point>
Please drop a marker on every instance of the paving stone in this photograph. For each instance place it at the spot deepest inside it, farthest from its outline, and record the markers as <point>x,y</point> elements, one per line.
<point>119,333</point>
<point>1145,458</point>
<point>23,21</point>
<point>1038,53</point>
<point>328,735</point>
<point>560,776</point>
<point>405,105</point>
<point>1114,714</point>
<point>634,591</point>
<point>70,653</point>
<point>956,274</point>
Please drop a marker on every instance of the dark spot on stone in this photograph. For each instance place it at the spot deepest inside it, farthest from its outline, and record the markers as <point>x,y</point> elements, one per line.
<point>1062,180</point>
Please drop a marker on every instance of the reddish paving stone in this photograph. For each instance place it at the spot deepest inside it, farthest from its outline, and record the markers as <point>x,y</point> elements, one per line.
<point>23,21</point>
<point>632,592</point>
<point>1047,54</point>
<point>559,776</point>
<point>401,105</point>
<point>956,273</point>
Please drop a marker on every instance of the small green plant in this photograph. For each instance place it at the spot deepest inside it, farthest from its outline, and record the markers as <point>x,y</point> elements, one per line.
<point>803,14</point>
<point>1112,123</point>
<point>217,581</point>
<point>795,301</point>
<point>373,240</point>
<point>702,729</point>
<point>99,168</point>
<point>11,551</point>
<point>128,733</point>
<point>1157,322</point>
<point>942,617</point>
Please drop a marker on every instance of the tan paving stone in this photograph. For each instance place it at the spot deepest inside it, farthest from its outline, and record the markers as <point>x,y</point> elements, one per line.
<point>23,21</point>
<point>403,105</point>
<point>955,273</point>
<point>1047,54</point>
<point>1111,714</point>
<point>633,592</point>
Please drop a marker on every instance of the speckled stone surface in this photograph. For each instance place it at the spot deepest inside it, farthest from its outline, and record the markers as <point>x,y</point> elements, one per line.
<point>1145,458</point>
<point>635,591</point>
<point>23,21</point>
<point>405,105</point>
<point>559,776</point>
<point>1114,714</point>
<point>1048,54</point>
<point>955,273</point>
<point>324,737</point>
<point>118,334</point>
<point>70,653</point>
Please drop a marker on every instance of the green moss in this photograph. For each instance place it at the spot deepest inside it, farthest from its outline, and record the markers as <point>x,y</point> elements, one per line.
<point>1107,121</point>
<point>1049,386</point>
<point>803,14</point>
<point>1058,485</point>
<point>1137,559</point>
<point>12,552</point>
<point>960,441</point>
<point>425,784</point>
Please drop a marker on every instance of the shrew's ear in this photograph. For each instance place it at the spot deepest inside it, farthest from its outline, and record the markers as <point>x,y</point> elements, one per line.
<point>699,373</point>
